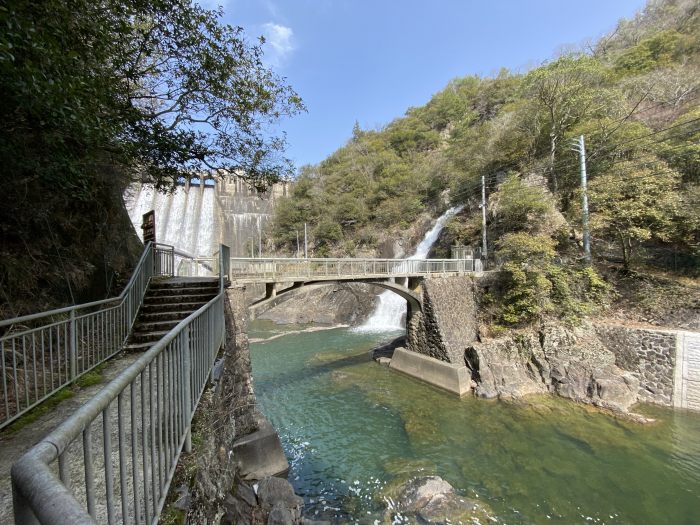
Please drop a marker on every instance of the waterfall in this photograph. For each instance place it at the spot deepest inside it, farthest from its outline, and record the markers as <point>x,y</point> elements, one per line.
<point>196,219</point>
<point>391,310</point>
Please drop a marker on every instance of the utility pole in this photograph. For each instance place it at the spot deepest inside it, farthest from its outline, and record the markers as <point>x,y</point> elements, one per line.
<point>306,244</point>
<point>297,244</point>
<point>484,249</point>
<point>580,146</point>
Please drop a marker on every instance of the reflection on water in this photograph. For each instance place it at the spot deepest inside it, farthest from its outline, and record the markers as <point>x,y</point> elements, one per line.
<point>352,428</point>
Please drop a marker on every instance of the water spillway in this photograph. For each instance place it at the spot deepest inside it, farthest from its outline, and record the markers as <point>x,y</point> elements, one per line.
<point>391,310</point>
<point>196,218</point>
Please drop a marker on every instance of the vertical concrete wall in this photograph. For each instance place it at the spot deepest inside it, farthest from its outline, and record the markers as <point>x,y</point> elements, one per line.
<point>686,392</point>
<point>448,324</point>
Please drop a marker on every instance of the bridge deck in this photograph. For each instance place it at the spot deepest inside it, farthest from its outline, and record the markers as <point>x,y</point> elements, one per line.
<point>247,270</point>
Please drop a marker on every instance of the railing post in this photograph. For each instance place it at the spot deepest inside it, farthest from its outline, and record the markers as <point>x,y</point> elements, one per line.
<point>187,373</point>
<point>73,347</point>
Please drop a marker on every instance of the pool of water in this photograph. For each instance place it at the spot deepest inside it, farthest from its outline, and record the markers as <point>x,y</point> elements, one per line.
<point>352,428</point>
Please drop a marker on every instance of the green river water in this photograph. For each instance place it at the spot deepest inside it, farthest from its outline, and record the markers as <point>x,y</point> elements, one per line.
<point>351,428</point>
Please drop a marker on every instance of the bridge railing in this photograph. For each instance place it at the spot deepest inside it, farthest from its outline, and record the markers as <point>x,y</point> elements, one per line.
<point>44,352</point>
<point>288,268</point>
<point>112,461</point>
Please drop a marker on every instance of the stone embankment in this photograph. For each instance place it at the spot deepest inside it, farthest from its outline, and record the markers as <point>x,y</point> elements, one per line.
<point>334,304</point>
<point>571,363</point>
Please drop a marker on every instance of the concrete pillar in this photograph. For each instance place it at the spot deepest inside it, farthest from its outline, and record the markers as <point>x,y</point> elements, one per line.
<point>270,290</point>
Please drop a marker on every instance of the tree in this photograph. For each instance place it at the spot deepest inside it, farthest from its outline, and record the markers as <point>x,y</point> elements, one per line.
<point>97,94</point>
<point>634,203</point>
<point>567,89</point>
<point>160,88</point>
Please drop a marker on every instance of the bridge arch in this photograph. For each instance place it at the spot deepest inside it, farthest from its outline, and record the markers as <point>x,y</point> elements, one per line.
<point>414,300</point>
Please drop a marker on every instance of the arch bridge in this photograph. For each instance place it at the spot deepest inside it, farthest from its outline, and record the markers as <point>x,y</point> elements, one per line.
<point>283,276</point>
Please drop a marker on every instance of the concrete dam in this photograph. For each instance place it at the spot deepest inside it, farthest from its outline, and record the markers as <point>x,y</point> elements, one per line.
<point>200,214</point>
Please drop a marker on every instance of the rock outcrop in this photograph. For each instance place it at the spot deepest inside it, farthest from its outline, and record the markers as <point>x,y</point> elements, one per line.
<point>431,499</point>
<point>333,304</point>
<point>571,363</point>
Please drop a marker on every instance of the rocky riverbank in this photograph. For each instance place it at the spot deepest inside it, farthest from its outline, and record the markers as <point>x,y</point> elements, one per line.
<point>572,363</point>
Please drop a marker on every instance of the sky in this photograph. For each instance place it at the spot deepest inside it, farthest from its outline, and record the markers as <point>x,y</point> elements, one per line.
<point>368,61</point>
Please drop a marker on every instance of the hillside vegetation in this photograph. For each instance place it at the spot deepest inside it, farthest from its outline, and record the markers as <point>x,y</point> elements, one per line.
<point>634,95</point>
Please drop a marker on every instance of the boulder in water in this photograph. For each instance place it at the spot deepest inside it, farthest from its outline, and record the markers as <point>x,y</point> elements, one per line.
<point>431,499</point>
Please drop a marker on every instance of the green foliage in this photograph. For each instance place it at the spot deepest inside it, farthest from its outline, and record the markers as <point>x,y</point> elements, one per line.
<point>527,264</point>
<point>518,206</point>
<point>517,131</point>
<point>632,204</point>
<point>536,285</point>
<point>655,51</point>
<point>97,94</point>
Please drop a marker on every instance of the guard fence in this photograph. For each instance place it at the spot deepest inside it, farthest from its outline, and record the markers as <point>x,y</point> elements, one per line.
<point>113,459</point>
<point>275,269</point>
<point>42,353</point>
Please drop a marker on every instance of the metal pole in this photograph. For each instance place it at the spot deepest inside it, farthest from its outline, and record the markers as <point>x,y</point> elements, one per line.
<point>73,347</point>
<point>484,249</point>
<point>306,244</point>
<point>297,244</point>
<point>584,200</point>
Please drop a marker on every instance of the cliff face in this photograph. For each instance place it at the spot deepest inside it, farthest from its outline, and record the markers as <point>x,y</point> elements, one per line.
<point>56,250</point>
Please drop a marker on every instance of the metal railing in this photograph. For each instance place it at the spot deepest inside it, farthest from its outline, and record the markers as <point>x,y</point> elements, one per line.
<point>112,461</point>
<point>43,352</point>
<point>244,269</point>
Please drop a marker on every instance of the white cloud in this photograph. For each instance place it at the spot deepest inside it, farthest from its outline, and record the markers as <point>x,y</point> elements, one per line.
<point>279,43</point>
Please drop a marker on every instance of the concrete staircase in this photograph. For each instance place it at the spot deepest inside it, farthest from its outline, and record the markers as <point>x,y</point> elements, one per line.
<point>167,302</point>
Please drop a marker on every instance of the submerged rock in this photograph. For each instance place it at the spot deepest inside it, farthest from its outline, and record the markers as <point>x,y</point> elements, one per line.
<point>431,499</point>
<point>271,500</point>
<point>571,363</point>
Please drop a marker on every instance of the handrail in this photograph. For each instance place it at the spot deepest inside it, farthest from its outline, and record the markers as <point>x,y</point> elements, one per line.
<point>38,361</point>
<point>271,269</point>
<point>156,397</point>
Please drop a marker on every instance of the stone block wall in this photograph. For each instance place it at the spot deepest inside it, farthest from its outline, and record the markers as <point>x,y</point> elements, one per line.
<point>448,324</point>
<point>649,354</point>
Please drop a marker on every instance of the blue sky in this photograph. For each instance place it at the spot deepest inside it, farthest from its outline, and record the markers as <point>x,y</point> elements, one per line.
<point>370,60</point>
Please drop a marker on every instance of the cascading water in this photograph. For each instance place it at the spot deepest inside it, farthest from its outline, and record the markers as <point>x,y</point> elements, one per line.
<point>196,219</point>
<point>391,309</point>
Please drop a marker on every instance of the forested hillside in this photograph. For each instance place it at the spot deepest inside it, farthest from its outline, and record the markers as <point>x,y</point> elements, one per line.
<point>634,95</point>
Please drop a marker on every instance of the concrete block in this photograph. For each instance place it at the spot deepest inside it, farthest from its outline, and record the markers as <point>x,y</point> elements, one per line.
<point>451,377</point>
<point>260,453</point>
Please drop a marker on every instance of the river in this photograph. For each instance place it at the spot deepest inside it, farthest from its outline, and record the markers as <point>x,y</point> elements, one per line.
<point>352,428</point>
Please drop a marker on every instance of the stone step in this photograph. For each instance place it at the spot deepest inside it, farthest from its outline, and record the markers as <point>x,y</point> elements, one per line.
<point>144,337</point>
<point>138,347</point>
<point>171,284</point>
<point>156,326</point>
<point>171,299</point>
<point>172,307</point>
<point>177,316</point>
<point>184,290</point>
